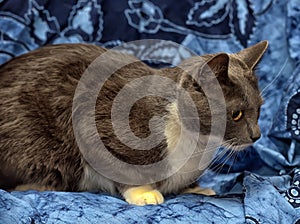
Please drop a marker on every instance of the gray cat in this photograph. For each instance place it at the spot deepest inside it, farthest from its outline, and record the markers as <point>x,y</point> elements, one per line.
<point>38,147</point>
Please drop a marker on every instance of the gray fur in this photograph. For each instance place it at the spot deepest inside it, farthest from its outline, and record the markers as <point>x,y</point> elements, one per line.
<point>37,144</point>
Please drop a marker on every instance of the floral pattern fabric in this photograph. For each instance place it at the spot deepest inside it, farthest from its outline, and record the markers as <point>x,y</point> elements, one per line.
<point>262,184</point>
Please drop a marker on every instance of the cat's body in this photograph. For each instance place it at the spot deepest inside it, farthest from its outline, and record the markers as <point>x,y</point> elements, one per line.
<point>38,148</point>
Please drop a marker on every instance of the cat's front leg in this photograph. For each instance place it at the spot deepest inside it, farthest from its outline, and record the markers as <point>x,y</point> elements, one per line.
<point>142,195</point>
<point>196,189</point>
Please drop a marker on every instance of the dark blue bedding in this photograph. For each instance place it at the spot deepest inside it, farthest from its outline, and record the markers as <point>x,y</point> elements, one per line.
<point>261,185</point>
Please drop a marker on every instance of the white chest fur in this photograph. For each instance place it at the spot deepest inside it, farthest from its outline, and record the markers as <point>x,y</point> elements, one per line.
<point>189,153</point>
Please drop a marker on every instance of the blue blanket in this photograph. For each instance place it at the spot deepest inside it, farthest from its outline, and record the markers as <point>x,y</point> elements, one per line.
<point>261,185</point>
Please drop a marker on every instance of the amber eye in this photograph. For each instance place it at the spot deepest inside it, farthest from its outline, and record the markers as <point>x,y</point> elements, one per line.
<point>237,115</point>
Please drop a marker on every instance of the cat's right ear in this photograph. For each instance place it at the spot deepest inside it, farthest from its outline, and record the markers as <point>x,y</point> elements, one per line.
<point>252,55</point>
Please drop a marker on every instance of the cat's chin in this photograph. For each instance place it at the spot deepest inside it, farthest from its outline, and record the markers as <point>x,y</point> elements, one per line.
<point>241,147</point>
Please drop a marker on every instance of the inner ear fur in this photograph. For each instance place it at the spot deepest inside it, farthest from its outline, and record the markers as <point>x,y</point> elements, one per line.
<point>217,67</point>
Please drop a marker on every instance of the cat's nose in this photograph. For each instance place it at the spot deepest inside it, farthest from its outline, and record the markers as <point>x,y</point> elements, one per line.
<point>255,138</point>
<point>255,135</point>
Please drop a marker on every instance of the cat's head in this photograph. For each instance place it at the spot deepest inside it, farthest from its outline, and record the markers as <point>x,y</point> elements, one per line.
<point>235,74</point>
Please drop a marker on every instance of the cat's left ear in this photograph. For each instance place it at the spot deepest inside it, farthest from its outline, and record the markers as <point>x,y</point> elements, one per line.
<point>219,66</point>
<point>253,54</point>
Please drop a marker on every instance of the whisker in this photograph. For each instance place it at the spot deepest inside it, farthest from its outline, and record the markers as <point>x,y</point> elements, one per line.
<point>228,158</point>
<point>229,146</point>
<point>218,157</point>
<point>271,94</point>
<point>224,152</point>
<point>233,161</point>
<point>276,77</point>
<point>212,148</point>
<point>224,160</point>
<point>220,166</point>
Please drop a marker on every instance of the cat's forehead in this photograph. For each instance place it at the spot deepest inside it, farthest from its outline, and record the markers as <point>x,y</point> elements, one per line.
<point>244,95</point>
<point>246,90</point>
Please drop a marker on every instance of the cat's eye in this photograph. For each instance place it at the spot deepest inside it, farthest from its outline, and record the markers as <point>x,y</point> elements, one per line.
<point>237,115</point>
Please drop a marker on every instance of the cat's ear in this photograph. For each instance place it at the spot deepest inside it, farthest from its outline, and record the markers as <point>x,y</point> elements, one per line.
<point>215,67</point>
<point>219,66</point>
<point>253,54</point>
<point>219,62</point>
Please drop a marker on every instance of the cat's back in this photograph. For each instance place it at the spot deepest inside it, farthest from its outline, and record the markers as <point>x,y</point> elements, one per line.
<point>44,79</point>
<point>48,61</point>
<point>41,83</point>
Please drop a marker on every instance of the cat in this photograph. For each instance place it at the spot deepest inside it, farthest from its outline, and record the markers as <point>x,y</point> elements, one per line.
<point>38,145</point>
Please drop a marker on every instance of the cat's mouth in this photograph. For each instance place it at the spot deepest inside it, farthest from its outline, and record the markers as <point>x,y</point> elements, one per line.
<point>236,146</point>
<point>241,147</point>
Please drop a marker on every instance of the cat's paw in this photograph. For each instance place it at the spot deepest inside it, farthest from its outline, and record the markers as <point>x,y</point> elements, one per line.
<point>143,195</point>
<point>153,197</point>
<point>199,190</point>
